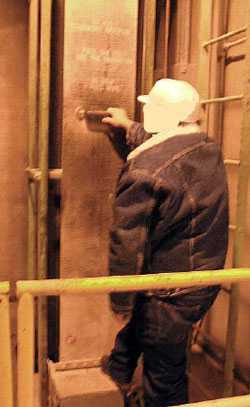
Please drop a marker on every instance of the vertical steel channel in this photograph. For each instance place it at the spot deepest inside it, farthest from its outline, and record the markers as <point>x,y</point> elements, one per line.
<point>6,371</point>
<point>44,108</point>
<point>26,351</point>
<point>32,136</point>
<point>241,221</point>
<point>148,50</point>
<point>206,15</point>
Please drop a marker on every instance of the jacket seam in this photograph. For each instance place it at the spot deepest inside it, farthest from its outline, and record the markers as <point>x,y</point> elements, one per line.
<point>179,155</point>
<point>193,205</point>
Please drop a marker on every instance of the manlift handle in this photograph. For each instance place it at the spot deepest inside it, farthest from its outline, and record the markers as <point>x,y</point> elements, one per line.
<point>93,119</point>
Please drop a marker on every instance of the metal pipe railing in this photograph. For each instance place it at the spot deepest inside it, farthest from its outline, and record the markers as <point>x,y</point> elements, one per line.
<point>240,401</point>
<point>4,287</point>
<point>27,289</point>
<point>100,285</point>
<point>6,371</point>
<point>224,36</point>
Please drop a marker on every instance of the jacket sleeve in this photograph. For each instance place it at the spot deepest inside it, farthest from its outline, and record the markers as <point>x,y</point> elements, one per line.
<point>136,135</point>
<point>128,236</point>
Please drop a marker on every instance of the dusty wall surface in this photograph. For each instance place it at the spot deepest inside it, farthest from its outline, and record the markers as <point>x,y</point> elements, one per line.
<point>186,68</point>
<point>13,136</point>
<point>99,71</point>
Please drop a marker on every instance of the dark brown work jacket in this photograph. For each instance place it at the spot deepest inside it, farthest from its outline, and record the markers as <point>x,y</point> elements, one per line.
<point>170,215</point>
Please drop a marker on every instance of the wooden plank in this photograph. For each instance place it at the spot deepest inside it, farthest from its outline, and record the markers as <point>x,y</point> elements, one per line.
<point>99,71</point>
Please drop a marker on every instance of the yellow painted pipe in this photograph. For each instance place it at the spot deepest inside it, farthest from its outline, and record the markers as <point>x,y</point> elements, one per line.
<point>240,401</point>
<point>4,287</point>
<point>132,283</point>
<point>26,351</point>
<point>6,375</point>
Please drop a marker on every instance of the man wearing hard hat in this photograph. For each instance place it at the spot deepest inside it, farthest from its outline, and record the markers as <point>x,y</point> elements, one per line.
<point>170,215</point>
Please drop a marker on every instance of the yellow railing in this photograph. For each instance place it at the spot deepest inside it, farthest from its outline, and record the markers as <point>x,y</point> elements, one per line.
<point>240,401</point>
<point>6,372</point>
<point>27,290</point>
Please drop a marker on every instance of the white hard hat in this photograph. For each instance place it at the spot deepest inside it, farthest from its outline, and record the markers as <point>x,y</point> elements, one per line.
<point>179,94</point>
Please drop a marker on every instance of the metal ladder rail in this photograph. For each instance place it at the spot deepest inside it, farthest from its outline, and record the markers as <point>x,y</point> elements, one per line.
<point>244,169</point>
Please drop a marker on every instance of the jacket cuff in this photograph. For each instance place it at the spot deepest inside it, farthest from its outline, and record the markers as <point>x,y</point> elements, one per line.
<point>136,135</point>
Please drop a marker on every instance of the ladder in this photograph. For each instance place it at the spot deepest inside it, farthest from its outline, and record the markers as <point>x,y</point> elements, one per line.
<point>243,164</point>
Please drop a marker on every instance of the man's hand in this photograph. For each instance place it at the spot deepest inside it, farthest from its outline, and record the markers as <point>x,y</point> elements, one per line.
<point>119,118</point>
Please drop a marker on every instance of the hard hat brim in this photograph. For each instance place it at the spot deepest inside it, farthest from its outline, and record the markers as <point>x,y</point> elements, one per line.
<point>143,98</point>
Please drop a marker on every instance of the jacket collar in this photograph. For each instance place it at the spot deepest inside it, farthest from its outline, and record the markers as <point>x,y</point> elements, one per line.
<point>162,136</point>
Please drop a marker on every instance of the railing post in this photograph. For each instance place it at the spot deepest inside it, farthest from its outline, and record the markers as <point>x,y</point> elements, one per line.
<point>6,375</point>
<point>25,360</point>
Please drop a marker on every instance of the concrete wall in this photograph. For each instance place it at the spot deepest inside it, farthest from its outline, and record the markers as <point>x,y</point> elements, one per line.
<point>13,138</point>
<point>180,68</point>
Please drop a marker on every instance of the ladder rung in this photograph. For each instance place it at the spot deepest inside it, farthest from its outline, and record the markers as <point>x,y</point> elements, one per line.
<point>234,43</point>
<point>224,36</point>
<point>231,162</point>
<point>34,174</point>
<point>221,100</point>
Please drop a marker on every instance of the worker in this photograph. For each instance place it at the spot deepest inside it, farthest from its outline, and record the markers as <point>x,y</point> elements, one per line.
<point>170,215</point>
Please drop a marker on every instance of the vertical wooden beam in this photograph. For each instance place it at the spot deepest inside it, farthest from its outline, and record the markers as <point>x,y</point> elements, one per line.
<point>26,351</point>
<point>6,376</point>
<point>44,106</point>
<point>32,139</point>
<point>206,14</point>
<point>241,223</point>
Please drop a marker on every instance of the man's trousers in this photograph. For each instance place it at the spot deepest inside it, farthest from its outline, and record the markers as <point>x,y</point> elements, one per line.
<point>156,332</point>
